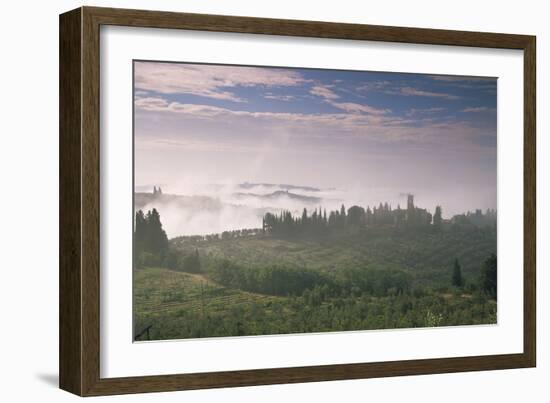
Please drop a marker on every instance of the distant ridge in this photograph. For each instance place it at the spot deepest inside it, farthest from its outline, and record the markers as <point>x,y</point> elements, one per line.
<point>248,185</point>
<point>279,194</point>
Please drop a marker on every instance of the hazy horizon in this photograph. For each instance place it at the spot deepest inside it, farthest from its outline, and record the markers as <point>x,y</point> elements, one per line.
<point>369,136</point>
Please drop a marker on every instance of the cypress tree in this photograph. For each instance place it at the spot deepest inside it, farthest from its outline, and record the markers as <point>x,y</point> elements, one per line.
<point>489,276</point>
<point>437,219</point>
<point>149,235</point>
<point>457,279</point>
<point>139,231</point>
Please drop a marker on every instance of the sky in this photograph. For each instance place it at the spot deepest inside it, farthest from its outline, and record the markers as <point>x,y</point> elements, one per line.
<point>380,133</point>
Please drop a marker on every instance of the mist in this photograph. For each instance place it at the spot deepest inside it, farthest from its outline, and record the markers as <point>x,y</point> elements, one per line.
<point>358,138</point>
<point>201,209</point>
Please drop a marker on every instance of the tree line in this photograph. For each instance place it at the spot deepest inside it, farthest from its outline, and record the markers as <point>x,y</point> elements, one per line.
<point>151,246</point>
<point>281,280</point>
<point>150,240</point>
<point>284,280</point>
<point>285,223</point>
<point>487,282</point>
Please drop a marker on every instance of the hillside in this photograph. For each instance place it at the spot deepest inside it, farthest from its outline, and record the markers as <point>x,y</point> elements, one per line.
<point>181,305</point>
<point>252,283</point>
<point>426,255</point>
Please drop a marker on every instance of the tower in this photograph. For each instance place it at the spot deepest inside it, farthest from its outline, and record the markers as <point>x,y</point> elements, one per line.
<point>410,202</point>
<point>411,211</point>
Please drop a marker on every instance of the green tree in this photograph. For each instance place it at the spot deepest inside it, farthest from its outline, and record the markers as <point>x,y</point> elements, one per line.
<point>489,276</point>
<point>139,231</point>
<point>156,239</point>
<point>190,263</point>
<point>356,215</point>
<point>150,240</point>
<point>457,279</point>
<point>342,216</point>
<point>437,217</point>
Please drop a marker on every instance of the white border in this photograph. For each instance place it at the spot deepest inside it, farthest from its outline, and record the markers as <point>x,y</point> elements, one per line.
<point>120,357</point>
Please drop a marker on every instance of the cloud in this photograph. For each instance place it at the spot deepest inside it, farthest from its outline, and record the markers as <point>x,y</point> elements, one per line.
<point>415,111</point>
<point>410,91</point>
<point>210,81</point>
<point>352,107</point>
<point>357,121</point>
<point>357,114</point>
<point>161,105</point>
<point>330,96</point>
<point>151,104</point>
<point>373,85</point>
<point>324,92</point>
<point>285,98</point>
<point>477,109</point>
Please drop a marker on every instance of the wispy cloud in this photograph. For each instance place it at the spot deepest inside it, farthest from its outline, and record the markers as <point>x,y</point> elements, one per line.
<point>210,81</point>
<point>410,91</point>
<point>324,91</point>
<point>358,121</point>
<point>373,85</point>
<point>285,98</point>
<point>342,120</point>
<point>478,109</point>
<point>352,107</point>
<point>416,111</point>
<point>330,96</point>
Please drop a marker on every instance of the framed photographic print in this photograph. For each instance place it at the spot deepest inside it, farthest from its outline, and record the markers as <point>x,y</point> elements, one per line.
<point>249,201</point>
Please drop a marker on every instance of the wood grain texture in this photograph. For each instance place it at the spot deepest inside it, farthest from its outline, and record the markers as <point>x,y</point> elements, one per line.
<point>90,202</point>
<point>530,202</point>
<point>316,29</point>
<point>70,314</point>
<point>80,201</point>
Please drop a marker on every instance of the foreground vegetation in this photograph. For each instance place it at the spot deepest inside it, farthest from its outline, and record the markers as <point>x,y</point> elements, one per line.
<point>183,305</point>
<point>356,278</point>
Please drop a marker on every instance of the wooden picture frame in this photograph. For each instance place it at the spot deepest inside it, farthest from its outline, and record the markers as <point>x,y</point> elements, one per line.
<point>79,346</point>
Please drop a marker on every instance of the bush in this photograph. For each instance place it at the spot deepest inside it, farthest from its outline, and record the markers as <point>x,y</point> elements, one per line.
<point>190,263</point>
<point>187,262</point>
<point>147,259</point>
<point>272,280</point>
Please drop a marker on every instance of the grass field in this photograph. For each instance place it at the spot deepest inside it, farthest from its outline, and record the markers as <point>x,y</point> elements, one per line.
<point>175,301</point>
<point>161,291</point>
